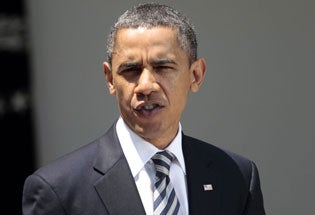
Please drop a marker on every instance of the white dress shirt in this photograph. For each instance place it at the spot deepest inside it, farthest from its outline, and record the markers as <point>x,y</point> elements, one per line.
<point>139,152</point>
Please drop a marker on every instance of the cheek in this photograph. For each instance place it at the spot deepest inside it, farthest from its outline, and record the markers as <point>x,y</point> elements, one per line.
<point>179,96</point>
<point>124,92</point>
<point>178,87</point>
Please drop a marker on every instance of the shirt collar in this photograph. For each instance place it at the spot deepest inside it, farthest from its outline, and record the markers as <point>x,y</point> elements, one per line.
<point>138,151</point>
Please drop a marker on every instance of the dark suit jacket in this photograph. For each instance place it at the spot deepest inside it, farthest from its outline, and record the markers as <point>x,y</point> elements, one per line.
<point>96,180</point>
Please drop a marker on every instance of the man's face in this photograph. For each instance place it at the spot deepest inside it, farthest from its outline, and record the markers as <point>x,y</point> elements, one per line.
<point>151,78</point>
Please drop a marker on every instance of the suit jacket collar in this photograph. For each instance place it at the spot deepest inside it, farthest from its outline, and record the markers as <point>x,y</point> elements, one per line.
<point>118,191</point>
<point>116,187</point>
<point>200,170</point>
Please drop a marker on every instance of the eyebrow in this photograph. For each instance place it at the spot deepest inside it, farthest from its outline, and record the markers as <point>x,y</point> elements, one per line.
<point>162,62</point>
<point>158,62</point>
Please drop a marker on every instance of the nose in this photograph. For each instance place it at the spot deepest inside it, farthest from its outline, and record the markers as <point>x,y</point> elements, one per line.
<point>146,83</point>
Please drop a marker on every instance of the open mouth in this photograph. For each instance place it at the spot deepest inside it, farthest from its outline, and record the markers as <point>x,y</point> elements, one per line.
<point>148,110</point>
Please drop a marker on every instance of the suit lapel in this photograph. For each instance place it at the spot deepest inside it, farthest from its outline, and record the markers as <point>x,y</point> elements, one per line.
<point>116,187</point>
<point>200,169</point>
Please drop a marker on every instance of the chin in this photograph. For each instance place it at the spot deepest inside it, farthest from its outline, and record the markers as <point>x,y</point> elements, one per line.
<point>149,129</point>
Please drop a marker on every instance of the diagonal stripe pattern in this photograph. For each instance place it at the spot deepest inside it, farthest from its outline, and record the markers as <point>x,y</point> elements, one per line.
<point>165,200</point>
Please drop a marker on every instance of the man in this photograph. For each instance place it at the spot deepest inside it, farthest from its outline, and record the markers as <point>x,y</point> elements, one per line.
<point>144,164</point>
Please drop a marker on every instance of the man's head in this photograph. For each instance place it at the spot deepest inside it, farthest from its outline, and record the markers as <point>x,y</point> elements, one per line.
<point>153,15</point>
<point>151,74</point>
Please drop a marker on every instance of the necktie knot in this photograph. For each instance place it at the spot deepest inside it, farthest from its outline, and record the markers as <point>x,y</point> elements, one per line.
<point>162,161</point>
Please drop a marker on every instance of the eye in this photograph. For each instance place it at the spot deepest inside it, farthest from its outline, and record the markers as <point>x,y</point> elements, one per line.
<point>130,70</point>
<point>162,68</point>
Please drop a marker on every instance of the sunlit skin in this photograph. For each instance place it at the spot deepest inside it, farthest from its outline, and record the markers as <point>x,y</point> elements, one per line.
<point>151,78</point>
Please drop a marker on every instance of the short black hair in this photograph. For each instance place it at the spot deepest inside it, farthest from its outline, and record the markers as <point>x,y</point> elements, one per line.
<point>151,15</point>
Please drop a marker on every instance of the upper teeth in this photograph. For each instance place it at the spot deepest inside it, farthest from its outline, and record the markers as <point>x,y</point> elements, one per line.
<point>148,107</point>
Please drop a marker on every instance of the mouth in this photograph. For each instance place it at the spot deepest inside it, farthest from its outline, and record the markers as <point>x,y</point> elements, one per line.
<point>148,110</point>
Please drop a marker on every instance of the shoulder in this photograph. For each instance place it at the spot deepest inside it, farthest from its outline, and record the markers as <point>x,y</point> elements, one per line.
<point>236,176</point>
<point>69,165</point>
<point>222,156</point>
<point>52,184</point>
<point>204,147</point>
<point>80,160</point>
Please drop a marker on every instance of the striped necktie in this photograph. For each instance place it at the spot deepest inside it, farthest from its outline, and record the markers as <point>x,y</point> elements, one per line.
<point>165,200</point>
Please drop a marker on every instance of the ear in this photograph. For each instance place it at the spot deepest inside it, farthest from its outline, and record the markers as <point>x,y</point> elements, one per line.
<point>197,71</point>
<point>109,78</point>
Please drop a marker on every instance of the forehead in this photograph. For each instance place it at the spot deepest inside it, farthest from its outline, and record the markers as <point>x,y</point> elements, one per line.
<point>130,42</point>
<point>142,36</point>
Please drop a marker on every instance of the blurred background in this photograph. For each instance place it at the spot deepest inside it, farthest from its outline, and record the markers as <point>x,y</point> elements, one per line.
<point>257,99</point>
<point>16,108</point>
